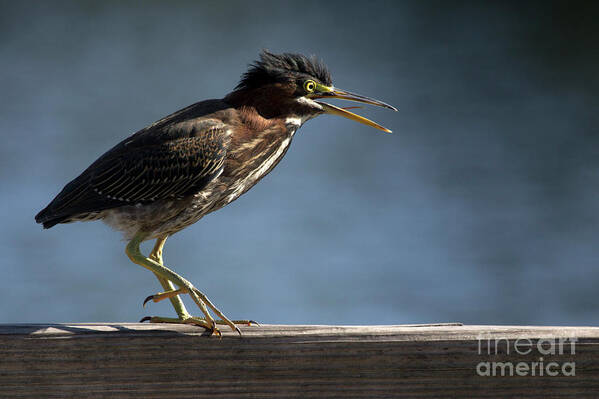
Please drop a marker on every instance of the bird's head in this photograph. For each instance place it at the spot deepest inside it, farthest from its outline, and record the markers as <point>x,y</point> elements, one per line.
<point>291,84</point>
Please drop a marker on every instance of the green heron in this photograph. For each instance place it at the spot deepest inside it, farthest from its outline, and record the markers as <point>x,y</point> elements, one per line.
<point>170,174</point>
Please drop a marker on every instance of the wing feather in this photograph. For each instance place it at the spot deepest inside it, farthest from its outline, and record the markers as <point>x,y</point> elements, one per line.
<point>139,170</point>
<point>170,170</point>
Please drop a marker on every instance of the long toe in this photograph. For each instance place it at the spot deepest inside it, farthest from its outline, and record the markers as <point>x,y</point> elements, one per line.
<point>196,321</point>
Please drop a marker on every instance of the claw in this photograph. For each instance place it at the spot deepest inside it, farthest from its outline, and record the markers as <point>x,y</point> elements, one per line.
<point>147,318</point>
<point>216,331</point>
<point>148,299</point>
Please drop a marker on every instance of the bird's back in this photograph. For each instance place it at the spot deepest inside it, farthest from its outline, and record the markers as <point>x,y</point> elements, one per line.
<point>169,159</point>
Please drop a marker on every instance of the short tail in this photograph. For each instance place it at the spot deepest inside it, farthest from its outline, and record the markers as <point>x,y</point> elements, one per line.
<point>48,219</point>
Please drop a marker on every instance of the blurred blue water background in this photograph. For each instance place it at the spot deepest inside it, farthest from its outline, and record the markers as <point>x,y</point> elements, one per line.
<point>482,207</point>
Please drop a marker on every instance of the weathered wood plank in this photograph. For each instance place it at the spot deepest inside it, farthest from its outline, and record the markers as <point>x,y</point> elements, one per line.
<point>272,361</point>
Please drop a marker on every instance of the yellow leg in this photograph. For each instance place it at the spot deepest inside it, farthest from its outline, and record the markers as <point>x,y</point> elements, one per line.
<point>198,297</point>
<point>176,301</point>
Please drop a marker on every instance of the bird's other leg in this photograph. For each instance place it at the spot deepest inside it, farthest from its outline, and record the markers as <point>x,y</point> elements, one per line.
<point>198,297</point>
<point>172,293</point>
<point>176,301</point>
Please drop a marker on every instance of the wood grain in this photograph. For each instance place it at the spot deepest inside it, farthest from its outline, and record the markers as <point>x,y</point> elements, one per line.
<point>122,360</point>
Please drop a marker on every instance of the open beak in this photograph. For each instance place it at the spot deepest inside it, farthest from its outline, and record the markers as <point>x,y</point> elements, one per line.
<point>332,92</point>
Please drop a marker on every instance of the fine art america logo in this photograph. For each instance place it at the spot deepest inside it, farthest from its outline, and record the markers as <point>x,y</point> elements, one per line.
<point>532,355</point>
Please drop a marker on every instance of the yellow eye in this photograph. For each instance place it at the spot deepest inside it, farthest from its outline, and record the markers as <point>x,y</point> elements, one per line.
<point>309,86</point>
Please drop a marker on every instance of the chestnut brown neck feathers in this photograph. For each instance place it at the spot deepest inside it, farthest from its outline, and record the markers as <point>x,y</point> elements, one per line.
<point>275,100</point>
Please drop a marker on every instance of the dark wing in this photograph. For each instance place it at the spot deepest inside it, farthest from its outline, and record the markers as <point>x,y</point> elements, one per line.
<point>171,163</point>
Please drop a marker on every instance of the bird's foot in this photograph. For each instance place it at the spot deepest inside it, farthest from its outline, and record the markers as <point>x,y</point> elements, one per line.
<point>202,301</point>
<point>198,321</point>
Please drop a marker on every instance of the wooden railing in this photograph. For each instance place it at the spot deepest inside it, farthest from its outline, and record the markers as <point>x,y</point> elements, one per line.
<point>279,361</point>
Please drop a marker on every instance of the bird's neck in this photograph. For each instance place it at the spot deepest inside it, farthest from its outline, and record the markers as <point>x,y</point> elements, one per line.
<point>270,102</point>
